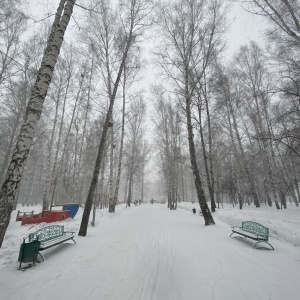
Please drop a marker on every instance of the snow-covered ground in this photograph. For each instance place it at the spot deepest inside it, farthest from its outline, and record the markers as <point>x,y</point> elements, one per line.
<point>150,252</point>
<point>283,224</point>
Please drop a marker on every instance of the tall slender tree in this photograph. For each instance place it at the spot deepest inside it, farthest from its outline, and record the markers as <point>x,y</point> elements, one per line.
<point>133,15</point>
<point>34,108</point>
<point>191,32</point>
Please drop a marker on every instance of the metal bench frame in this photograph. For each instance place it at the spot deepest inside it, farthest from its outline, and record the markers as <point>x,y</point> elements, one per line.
<point>254,231</point>
<point>51,236</point>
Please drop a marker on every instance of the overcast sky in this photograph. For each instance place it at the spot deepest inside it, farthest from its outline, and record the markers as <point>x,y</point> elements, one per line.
<point>244,25</point>
<point>244,28</point>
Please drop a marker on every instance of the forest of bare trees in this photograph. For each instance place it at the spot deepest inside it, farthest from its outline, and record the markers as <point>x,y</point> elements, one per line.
<point>75,111</point>
<point>241,115</point>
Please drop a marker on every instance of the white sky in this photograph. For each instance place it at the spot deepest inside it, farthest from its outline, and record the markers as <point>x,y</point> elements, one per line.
<point>244,25</point>
<point>244,28</point>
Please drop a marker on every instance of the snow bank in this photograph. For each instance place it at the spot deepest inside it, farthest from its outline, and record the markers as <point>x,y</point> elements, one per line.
<point>283,225</point>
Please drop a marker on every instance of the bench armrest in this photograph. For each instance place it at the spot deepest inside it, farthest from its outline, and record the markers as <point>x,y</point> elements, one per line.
<point>27,240</point>
<point>69,231</point>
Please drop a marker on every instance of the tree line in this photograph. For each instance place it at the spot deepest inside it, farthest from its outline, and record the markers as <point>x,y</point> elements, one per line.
<point>224,129</point>
<point>231,125</point>
<point>85,128</point>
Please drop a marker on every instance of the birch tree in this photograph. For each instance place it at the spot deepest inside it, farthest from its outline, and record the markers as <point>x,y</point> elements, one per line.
<point>129,75</point>
<point>13,24</point>
<point>64,141</point>
<point>86,107</point>
<point>120,158</point>
<point>284,39</point>
<point>144,158</point>
<point>231,94</point>
<point>190,40</point>
<point>133,18</point>
<point>251,65</point>
<point>34,108</point>
<point>135,132</point>
<point>168,132</point>
<point>204,97</point>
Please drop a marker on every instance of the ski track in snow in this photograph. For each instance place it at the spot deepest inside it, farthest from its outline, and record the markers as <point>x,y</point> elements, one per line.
<point>151,253</point>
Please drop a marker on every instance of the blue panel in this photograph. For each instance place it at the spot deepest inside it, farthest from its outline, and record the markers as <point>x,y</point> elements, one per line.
<point>73,208</point>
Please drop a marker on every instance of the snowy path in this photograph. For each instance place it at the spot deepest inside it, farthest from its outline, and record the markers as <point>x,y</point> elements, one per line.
<point>149,252</point>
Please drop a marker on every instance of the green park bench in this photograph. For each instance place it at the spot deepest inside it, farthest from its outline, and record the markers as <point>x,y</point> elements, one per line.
<point>42,239</point>
<point>254,231</point>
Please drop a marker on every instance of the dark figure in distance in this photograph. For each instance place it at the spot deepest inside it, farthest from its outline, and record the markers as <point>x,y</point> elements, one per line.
<point>194,210</point>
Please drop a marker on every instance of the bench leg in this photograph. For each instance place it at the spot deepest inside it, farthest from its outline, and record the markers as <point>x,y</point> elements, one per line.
<point>73,240</point>
<point>231,234</point>
<point>263,242</point>
<point>41,256</point>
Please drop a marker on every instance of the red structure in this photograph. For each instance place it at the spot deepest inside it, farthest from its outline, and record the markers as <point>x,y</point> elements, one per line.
<point>22,215</point>
<point>46,216</point>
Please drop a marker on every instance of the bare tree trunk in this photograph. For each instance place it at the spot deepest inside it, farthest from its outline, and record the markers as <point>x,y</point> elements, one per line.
<point>90,197</point>
<point>111,171</point>
<point>129,197</point>
<point>207,171</point>
<point>210,152</point>
<point>89,201</point>
<point>297,188</point>
<point>33,113</point>
<point>101,185</point>
<point>58,165</point>
<point>40,181</point>
<point>126,187</point>
<point>182,179</point>
<point>142,185</point>
<point>76,185</point>
<point>242,153</point>
<point>8,151</point>
<point>32,186</point>
<point>208,157</point>
<point>116,193</point>
<point>198,183</point>
<point>55,162</point>
<point>48,167</point>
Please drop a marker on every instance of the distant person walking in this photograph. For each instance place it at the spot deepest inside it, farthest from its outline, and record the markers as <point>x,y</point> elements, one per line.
<point>194,210</point>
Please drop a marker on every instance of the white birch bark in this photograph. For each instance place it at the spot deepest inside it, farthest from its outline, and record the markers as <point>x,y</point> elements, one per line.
<point>33,112</point>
